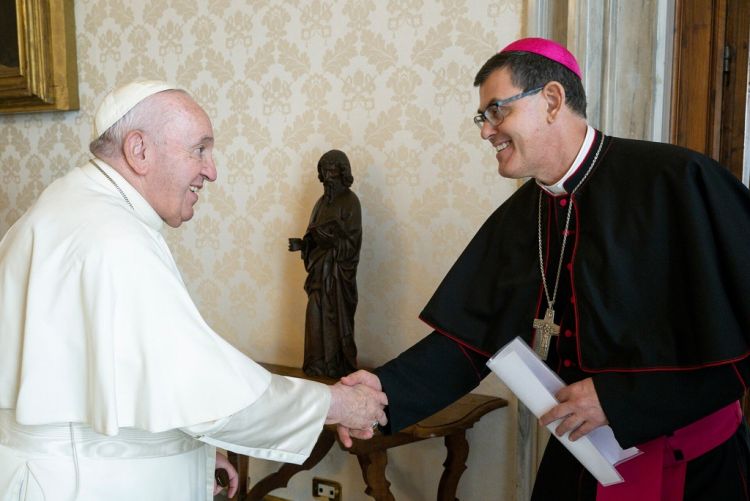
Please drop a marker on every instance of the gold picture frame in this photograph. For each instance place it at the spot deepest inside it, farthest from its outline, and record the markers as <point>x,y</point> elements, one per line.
<point>39,73</point>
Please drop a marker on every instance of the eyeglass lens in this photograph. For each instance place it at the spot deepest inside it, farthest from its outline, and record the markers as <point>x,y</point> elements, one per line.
<point>492,114</point>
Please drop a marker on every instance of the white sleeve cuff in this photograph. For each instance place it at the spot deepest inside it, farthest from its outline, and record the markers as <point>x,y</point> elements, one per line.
<point>282,425</point>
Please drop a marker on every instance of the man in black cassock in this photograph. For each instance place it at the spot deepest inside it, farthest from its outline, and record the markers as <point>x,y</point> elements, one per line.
<point>631,258</point>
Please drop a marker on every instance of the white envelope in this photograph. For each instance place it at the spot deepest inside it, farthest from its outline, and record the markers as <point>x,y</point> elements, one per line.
<point>534,383</point>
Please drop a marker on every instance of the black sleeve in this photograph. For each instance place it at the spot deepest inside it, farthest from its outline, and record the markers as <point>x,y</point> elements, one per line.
<point>427,377</point>
<point>641,406</point>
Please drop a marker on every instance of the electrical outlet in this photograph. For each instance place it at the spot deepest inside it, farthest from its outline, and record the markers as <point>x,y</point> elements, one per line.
<point>326,489</point>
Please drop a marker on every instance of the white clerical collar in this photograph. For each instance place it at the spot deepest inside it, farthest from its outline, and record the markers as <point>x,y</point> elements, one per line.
<point>558,188</point>
<point>114,180</point>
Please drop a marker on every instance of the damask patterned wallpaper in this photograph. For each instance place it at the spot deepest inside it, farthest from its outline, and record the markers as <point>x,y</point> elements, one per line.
<point>388,82</point>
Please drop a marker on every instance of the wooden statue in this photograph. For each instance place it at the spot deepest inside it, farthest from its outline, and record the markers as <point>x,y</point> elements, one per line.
<point>330,251</point>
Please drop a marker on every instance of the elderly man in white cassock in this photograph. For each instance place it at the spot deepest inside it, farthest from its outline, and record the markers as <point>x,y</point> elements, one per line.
<point>112,386</point>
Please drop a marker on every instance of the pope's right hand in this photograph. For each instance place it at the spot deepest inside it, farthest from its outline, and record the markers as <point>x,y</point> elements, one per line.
<point>361,377</point>
<point>357,407</point>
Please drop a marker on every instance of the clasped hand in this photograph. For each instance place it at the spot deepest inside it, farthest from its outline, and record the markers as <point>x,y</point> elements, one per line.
<point>356,407</point>
<point>222,463</point>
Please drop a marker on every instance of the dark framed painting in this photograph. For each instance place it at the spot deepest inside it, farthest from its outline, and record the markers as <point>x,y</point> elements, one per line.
<point>37,56</point>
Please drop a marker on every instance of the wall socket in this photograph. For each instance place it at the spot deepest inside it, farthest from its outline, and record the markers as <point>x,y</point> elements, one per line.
<point>326,489</point>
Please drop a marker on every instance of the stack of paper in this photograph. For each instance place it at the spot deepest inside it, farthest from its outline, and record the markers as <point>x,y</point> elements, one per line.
<point>536,385</point>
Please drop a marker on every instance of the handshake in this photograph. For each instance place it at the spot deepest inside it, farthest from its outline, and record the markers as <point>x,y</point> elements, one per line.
<point>357,403</point>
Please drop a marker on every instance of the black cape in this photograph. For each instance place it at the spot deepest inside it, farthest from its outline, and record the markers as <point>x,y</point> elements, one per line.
<point>660,265</point>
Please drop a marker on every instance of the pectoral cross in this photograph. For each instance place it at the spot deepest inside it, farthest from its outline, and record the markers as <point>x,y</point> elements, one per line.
<point>545,329</point>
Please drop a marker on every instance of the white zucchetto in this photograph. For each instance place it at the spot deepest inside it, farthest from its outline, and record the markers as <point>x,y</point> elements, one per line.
<point>123,99</point>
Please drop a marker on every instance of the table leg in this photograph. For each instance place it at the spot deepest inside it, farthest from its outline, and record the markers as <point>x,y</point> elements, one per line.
<point>455,465</point>
<point>373,471</point>
<point>240,464</point>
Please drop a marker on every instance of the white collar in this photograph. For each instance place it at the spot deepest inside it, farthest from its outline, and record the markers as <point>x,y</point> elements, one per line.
<point>141,207</point>
<point>558,188</point>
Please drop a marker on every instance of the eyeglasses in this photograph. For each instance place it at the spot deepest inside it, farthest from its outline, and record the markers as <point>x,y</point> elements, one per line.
<point>494,114</point>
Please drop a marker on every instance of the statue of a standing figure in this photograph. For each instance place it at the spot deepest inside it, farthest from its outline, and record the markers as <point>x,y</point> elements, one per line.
<point>330,250</point>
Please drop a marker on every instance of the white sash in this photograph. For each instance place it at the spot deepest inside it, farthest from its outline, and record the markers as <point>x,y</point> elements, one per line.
<point>69,461</point>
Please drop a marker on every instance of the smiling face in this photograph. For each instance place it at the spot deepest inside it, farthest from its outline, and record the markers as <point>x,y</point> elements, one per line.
<point>181,158</point>
<point>519,140</point>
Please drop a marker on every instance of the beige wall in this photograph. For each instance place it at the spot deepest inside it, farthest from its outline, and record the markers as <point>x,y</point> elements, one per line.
<point>387,82</point>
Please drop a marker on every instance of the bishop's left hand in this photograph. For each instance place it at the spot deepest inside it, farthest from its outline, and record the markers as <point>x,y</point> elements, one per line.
<point>579,410</point>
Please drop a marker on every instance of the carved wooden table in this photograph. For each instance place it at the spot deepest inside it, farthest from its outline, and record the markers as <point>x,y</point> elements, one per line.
<point>451,423</point>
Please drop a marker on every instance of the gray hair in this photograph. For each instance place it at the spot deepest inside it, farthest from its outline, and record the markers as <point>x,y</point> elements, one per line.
<point>140,117</point>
